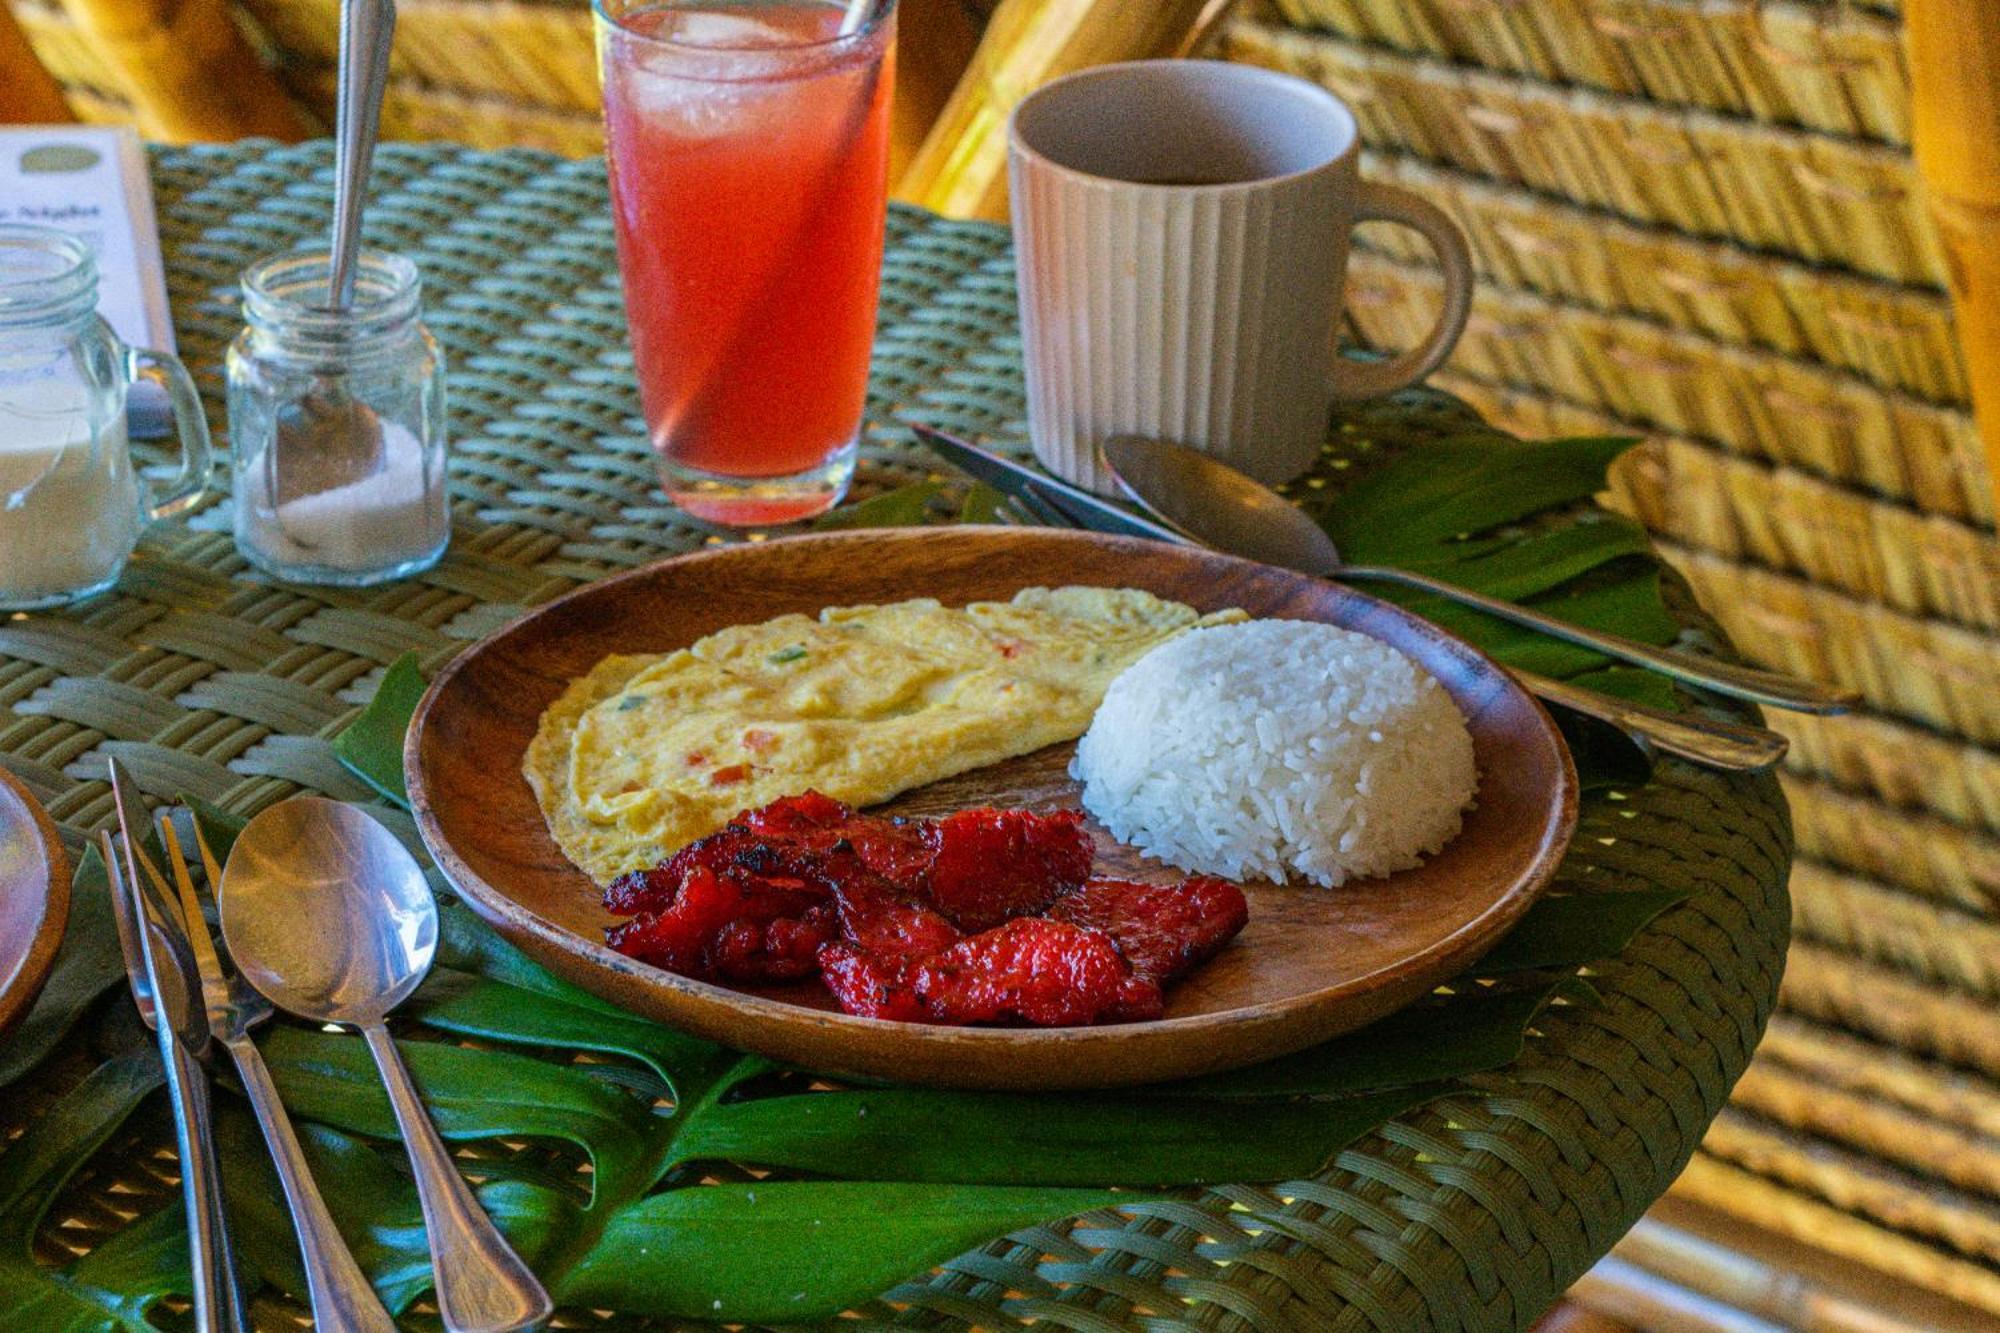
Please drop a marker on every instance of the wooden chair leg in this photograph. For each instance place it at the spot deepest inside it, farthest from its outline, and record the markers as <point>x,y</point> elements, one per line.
<point>1954,48</point>
<point>189,72</point>
<point>29,94</point>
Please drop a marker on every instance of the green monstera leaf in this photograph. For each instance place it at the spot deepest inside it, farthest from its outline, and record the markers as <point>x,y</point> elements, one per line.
<point>650,1173</point>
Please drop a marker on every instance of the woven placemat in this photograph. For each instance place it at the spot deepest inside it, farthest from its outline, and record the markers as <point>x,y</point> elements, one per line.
<point>205,678</point>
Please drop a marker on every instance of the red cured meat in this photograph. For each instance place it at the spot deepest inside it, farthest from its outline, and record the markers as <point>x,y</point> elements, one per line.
<point>869,985</point>
<point>1164,930</point>
<point>723,927</point>
<point>1034,970</point>
<point>1029,970</point>
<point>990,866</point>
<point>984,916</point>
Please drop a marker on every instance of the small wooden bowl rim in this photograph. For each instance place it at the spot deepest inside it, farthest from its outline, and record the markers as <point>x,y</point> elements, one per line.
<point>21,815</point>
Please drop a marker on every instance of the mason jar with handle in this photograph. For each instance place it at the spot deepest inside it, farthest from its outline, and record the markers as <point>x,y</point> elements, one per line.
<point>71,503</point>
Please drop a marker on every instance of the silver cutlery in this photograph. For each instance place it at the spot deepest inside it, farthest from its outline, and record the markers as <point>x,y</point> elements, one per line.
<point>328,916</point>
<point>338,1292</point>
<point>1205,499</point>
<point>164,990</point>
<point>1731,746</point>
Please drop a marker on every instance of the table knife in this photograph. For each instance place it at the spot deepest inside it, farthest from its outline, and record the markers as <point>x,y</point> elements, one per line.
<point>166,991</point>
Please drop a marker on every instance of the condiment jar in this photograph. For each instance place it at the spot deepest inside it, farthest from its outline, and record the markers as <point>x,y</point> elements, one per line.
<point>337,424</point>
<point>71,504</point>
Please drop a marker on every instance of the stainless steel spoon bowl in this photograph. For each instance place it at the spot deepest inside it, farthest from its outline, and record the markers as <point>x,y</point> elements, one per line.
<point>329,917</point>
<point>1215,504</point>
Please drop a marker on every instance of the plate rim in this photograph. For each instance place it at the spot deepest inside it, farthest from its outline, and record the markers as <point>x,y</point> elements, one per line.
<point>19,991</point>
<point>498,909</point>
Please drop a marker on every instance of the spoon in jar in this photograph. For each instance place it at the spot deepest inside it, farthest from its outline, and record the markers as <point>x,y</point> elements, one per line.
<point>329,438</point>
<point>329,917</point>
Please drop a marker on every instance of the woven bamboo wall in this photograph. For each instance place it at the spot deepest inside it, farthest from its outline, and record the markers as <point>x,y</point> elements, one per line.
<point>491,73</point>
<point>1697,220</point>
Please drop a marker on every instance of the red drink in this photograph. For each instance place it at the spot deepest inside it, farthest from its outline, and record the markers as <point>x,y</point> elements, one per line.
<point>749,163</point>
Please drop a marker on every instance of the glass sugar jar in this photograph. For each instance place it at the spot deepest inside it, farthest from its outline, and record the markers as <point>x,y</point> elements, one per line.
<point>337,424</point>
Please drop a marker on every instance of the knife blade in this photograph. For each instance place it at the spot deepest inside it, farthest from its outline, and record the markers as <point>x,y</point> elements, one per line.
<point>1020,481</point>
<point>182,1033</point>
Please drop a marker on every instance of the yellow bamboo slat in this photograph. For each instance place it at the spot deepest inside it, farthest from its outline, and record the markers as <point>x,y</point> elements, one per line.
<point>1895,336</point>
<point>77,63</point>
<point>1914,850</point>
<point>1883,1076</point>
<point>1718,1270</point>
<point>1832,68</point>
<point>1961,1157</point>
<point>961,168</point>
<point>1955,67</point>
<point>1859,1185</point>
<point>1826,422</point>
<point>1881,1003</point>
<point>1812,196</point>
<point>540,55</point>
<point>1837,535</point>
<point>93,108</point>
<point>1906,767</point>
<point>416,112</point>
<point>1921,670</point>
<point>187,70</point>
<point>1729,1189</point>
<point>1884,925</point>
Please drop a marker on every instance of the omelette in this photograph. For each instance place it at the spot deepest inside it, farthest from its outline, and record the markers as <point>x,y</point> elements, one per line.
<point>647,752</point>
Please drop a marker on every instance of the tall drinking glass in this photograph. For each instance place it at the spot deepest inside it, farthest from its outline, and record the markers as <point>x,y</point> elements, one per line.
<point>748,148</point>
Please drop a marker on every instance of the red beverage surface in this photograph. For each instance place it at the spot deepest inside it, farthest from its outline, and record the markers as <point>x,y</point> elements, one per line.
<point>749,160</point>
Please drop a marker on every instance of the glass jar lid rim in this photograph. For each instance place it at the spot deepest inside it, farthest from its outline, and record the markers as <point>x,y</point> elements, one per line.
<point>287,297</point>
<point>386,285</point>
<point>66,275</point>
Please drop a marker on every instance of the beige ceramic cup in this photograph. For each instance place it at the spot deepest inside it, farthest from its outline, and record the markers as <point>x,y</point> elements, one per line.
<point>1181,230</point>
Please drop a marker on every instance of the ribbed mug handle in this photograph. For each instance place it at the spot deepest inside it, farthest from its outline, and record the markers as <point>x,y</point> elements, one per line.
<point>1387,203</point>
<point>190,422</point>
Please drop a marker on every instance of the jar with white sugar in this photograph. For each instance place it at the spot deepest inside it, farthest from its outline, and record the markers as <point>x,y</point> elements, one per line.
<point>337,424</point>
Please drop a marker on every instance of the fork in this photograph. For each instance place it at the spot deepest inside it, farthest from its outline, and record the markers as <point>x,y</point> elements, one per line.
<point>152,962</point>
<point>338,1291</point>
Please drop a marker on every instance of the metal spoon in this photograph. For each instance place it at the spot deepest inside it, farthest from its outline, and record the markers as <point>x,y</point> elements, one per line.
<point>1218,506</point>
<point>328,916</point>
<point>329,438</point>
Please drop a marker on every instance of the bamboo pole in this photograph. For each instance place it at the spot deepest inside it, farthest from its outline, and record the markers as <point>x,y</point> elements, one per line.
<point>1954,48</point>
<point>961,169</point>
<point>190,74</point>
<point>29,94</point>
<point>935,40</point>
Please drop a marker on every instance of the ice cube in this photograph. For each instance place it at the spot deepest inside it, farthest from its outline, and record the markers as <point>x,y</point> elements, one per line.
<point>739,29</point>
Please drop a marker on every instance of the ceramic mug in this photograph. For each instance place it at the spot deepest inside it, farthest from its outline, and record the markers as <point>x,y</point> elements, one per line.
<point>1181,231</point>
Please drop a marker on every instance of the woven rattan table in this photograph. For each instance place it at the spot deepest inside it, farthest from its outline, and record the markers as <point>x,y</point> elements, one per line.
<point>1474,1212</point>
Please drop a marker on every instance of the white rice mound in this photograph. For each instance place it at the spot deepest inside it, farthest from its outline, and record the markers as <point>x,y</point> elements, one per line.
<point>1274,749</point>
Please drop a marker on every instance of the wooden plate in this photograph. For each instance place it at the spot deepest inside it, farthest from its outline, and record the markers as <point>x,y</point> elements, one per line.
<point>1312,963</point>
<point>34,899</point>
